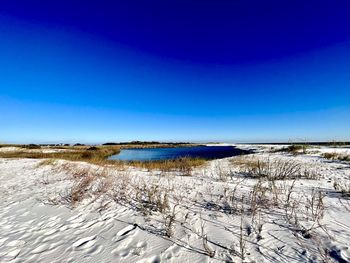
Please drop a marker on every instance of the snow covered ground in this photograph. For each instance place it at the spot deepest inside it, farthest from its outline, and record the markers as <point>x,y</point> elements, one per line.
<point>61,211</point>
<point>42,150</point>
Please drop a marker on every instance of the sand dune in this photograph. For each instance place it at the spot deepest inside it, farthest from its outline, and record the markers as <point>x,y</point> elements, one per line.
<point>38,225</point>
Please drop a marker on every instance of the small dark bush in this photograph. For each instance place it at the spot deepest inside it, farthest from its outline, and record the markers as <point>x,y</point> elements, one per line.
<point>337,156</point>
<point>294,149</point>
<point>86,155</point>
<point>93,148</point>
<point>32,146</point>
<point>331,156</point>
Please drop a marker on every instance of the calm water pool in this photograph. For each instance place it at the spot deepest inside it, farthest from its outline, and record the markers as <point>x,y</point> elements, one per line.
<point>152,154</point>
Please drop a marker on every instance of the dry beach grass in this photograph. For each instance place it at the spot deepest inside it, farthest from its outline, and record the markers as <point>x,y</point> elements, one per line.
<point>80,153</point>
<point>99,154</point>
<point>263,207</point>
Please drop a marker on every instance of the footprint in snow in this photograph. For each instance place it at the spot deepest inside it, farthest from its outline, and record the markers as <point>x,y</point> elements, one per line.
<point>85,242</point>
<point>126,230</point>
<point>12,254</point>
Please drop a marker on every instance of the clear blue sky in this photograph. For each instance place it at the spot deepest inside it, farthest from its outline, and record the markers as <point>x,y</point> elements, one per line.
<point>87,71</point>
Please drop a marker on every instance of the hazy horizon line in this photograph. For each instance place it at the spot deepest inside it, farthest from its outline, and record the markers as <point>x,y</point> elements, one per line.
<point>289,141</point>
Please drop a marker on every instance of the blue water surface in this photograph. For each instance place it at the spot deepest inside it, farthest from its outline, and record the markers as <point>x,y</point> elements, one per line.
<point>153,154</point>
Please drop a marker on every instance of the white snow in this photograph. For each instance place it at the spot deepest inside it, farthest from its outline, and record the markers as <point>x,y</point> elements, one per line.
<point>38,225</point>
<point>10,149</point>
<point>42,150</point>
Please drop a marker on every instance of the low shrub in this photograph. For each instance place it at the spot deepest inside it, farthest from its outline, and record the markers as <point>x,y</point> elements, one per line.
<point>276,169</point>
<point>337,156</point>
<point>47,162</point>
<point>80,154</point>
<point>92,148</point>
<point>343,188</point>
<point>31,146</point>
<point>183,165</point>
<point>294,149</point>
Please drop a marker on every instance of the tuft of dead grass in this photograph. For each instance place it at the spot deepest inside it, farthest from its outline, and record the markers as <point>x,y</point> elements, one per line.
<point>182,165</point>
<point>337,156</point>
<point>87,182</point>
<point>47,162</point>
<point>343,187</point>
<point>294,149</point>
<point>82,153</point>
<point>273,169</point>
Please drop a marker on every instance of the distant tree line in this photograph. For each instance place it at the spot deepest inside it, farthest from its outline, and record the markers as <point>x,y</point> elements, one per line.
<point>143,143</point>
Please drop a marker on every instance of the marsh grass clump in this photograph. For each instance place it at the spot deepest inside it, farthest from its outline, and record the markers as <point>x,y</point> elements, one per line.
<point>47,162</point>
<point>169,218</point>
<point>76,153</point>
<point>315,204</point>
<point>302,211</point>
<point>313,212</point>
<point>204,236</point>
<point>122,187</point>
<point>152,198</point>
<point>92,148</point>
<point>331,156</point>
<point>87,182</point>
<point>80,188</point>
<point>294,149</point>
<point>182,165</point>
<point>337,156</point>
<point>273,169</point>
<point>31,146</point>
<point>343,188</point>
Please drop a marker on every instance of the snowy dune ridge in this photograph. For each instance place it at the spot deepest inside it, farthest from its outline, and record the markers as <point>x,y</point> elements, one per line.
<point>264,207</point>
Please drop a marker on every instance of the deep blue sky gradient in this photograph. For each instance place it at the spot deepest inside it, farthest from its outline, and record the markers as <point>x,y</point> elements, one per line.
<point>157,70</point>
